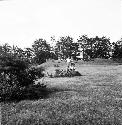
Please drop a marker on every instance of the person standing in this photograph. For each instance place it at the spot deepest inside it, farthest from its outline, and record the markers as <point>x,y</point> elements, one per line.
<point>68,60</point>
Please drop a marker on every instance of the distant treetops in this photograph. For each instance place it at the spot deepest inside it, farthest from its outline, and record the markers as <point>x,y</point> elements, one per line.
<point>64,47</point>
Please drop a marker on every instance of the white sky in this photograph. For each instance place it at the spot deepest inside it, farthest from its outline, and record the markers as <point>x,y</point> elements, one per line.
<point>23,21</point>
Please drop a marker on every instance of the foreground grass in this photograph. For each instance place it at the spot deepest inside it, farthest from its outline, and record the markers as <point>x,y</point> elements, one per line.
<point>92,99</point>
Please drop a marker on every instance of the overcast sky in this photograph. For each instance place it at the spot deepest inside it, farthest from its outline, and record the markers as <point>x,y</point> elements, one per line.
<point>23,21</point>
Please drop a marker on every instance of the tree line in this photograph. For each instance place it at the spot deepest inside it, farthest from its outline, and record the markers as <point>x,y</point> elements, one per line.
<point>41,50</point>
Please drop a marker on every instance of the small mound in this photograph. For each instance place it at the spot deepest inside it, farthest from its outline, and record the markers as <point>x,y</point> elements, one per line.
<point>66,73</point>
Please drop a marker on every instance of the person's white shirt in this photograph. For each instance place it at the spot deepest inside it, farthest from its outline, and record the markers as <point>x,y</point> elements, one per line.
<point>68,60</point>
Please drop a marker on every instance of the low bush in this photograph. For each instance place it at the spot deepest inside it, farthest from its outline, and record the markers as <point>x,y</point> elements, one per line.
<point>11,91</point>
<point>36,72</point>
<point>16,78</point>
<point>66,73</point>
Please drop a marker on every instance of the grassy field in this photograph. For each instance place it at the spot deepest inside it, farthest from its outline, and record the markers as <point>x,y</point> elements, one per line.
<point>95,98</point>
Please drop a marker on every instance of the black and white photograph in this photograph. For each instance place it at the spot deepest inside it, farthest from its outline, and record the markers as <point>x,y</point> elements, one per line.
<point>60,62</point>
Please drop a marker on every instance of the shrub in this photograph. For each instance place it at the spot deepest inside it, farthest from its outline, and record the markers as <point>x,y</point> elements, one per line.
<point>36,71</point>
<point>66,73</point>
<point>9,92</point>
<point>57,72</point>
<point>16,92</point>
<point>15,79</point>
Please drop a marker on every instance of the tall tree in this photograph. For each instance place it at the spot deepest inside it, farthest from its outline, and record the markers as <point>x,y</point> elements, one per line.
<point>41,50</point>
<point>18,52</point>
<point>101,47</point>
<point>5,49</point>
<point>86,44</point>
<point>29,54</point>
<point>117,49</point>
<point>65,47</point>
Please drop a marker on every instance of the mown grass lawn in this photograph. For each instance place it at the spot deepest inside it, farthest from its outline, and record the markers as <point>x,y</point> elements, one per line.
<point>95,98</point>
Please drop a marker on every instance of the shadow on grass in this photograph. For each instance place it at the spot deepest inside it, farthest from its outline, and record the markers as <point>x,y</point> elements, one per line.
<point>34,93</point>
<point>74,112</point>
